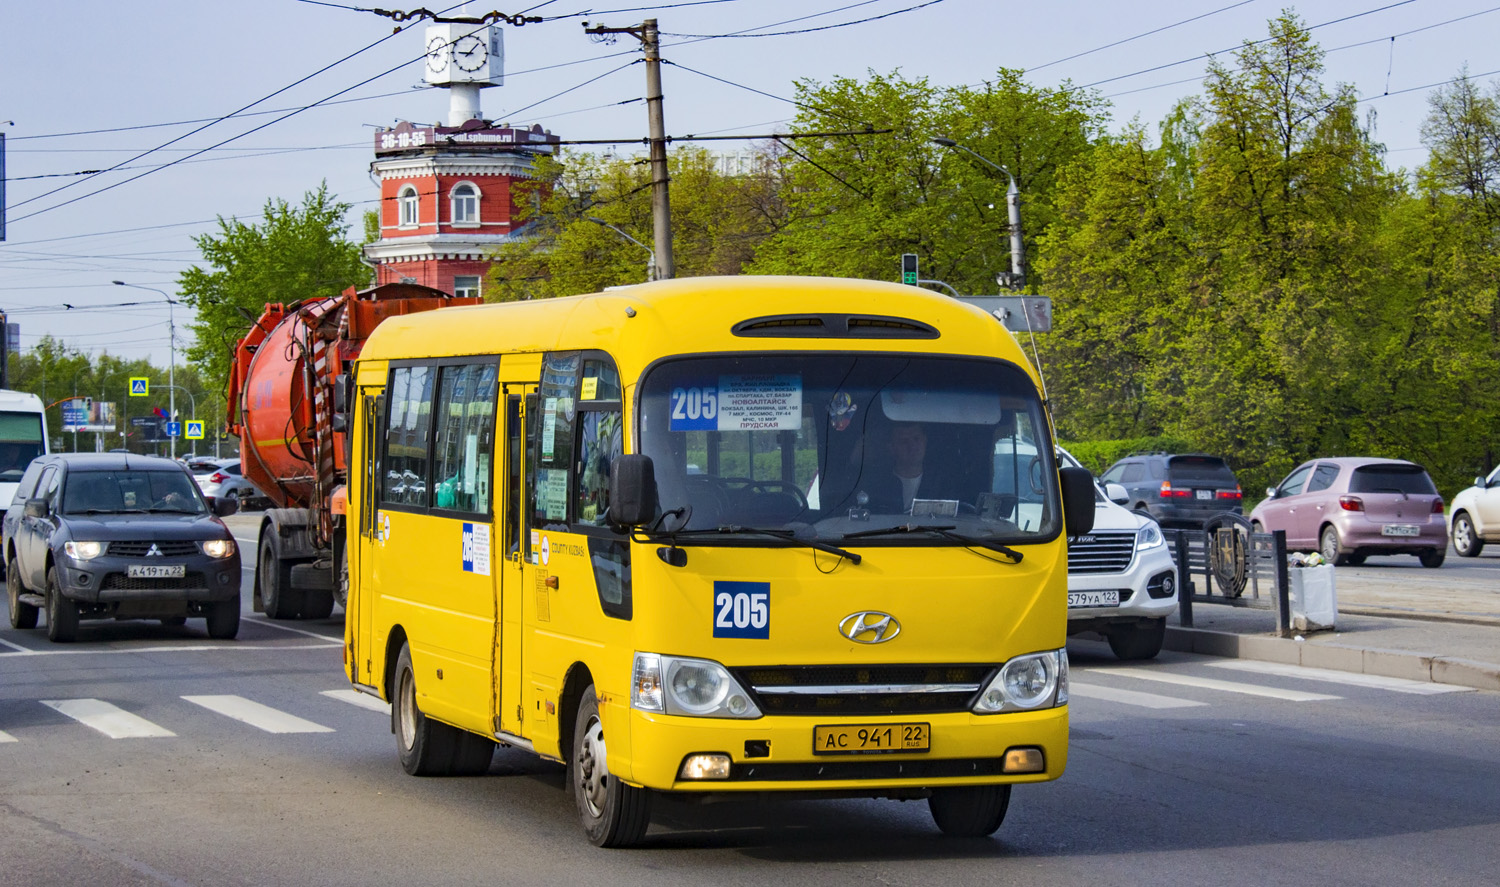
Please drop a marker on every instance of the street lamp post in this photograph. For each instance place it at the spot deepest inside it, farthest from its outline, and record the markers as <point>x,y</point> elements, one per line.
<point>1015,279</point>
<point>651,268</point>
<point>172,366</point>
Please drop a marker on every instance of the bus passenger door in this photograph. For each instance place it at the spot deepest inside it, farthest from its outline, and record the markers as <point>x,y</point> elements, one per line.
<point>515,546</point>
<point>365,545</point>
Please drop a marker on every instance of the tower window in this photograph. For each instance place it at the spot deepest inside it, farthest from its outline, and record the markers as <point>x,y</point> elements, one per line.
<point>406,200</point>
<point>465,205</point>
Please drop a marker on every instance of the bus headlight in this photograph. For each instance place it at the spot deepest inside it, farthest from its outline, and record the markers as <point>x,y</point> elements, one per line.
<point>83,551</point>
<point>218,547</point>
<point>1025,683</point>
<point>695,687</point>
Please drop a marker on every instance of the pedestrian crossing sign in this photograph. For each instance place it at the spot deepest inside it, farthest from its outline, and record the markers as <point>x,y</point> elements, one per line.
<point>194,429</point>
<point>140,386</point>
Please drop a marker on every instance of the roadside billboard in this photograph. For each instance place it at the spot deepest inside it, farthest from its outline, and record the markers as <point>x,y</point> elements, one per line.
<point>87,414</point>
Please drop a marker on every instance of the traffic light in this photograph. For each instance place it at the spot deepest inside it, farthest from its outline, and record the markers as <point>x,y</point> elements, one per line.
<point>909,274</point>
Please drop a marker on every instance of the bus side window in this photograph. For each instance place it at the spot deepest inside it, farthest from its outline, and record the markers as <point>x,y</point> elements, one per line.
<point>552,468</point>
<point>410,417</point>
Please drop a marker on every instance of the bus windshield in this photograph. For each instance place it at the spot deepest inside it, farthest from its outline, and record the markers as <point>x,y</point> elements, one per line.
<point>20,442</point>
<point>842,446</point>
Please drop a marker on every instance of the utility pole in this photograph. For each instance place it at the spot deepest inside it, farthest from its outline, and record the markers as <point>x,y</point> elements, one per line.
<point>661,205</point>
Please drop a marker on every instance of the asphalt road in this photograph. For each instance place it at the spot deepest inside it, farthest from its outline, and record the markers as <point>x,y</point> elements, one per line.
<point>1186,770</point>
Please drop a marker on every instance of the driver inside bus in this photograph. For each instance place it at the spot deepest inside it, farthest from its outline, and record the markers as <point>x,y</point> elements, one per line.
<point>909,477</point>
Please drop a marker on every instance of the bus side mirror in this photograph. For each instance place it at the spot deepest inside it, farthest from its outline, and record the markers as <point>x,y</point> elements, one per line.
<point>1078,500</point>
<point>632,490</point>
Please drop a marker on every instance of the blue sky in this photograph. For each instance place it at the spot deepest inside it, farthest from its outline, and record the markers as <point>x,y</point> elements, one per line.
<point>117,72</point>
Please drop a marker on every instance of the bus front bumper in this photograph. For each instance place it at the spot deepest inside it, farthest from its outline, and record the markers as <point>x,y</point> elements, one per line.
<point>775,753</point>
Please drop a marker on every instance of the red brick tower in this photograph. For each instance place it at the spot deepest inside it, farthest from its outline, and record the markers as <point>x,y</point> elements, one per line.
<point>447,192</point>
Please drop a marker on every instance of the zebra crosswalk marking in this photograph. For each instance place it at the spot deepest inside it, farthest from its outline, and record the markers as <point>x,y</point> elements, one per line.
<point>1128,697</point>
<point>256,715</point>
<point>1165,677</point>
<point>363,700</point>
<point>112,721</point>
<point>1354,679</point>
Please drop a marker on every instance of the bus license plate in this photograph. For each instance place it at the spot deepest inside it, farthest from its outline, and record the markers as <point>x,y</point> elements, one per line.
<point>153,571</point>
<point>1400,530</point>
<point>850,739</point>
<point>1110,598</point>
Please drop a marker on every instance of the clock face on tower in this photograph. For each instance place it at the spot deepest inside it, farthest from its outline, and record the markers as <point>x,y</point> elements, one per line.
<point>437,54</point>
<point>470,53</point>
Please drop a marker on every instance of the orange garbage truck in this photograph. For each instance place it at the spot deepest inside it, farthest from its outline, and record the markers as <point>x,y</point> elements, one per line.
<point>287,403</point>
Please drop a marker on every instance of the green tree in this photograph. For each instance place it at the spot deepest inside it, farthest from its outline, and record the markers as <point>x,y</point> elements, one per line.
<point>295,253</point>
<point>855,203</point>
<point>717,221</point>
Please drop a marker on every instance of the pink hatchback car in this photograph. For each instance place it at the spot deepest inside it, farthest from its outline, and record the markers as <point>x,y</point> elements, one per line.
<point>1348,509</point>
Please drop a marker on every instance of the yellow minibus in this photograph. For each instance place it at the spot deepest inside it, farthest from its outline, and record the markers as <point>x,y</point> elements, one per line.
<point>715,537</point>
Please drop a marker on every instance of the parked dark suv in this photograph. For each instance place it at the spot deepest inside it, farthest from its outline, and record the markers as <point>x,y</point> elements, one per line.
<point>106,535</point>
<point>1179,490</point>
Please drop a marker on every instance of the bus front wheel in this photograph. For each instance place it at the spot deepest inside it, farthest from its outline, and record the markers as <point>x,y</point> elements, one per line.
<point>969,811</point>
<point>614,814</point>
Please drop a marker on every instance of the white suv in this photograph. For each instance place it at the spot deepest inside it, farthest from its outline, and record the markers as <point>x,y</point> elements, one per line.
<point>1474,516</point>
<point>1122,581</point>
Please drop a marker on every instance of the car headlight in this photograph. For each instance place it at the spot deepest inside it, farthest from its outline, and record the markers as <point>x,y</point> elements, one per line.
<point>1149,536</point>
<point>677,685</point>
<point>83,551</point>
<point>1026,683</point>
<point>218,547</point>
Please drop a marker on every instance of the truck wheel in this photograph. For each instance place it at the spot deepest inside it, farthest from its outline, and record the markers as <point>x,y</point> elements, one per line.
<point>62,613</point>
<point>275,577</point>
<point>1137,641</point>
<point>224,619</point>
<point>969,811</point>
<point>22,615</point>
<point>614,814</point>
<point>316,604</point>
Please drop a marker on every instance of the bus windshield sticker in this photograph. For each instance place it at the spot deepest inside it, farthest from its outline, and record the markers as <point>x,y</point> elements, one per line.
<point>765,402</point>
<point>476,548</point>
<point>552,493</point>
<point>549,427</point>
<point>742,610</point>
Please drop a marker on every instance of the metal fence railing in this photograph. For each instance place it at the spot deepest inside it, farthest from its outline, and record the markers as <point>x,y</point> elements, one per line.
<point>1227,563</point>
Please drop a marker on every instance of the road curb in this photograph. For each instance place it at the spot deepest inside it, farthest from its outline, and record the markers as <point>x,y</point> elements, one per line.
<point>1408,664</point>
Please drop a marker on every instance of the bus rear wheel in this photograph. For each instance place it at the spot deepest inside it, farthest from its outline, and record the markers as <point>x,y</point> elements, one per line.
<point>614,814</point>
<point>426,747</point>
<point>969,811</point>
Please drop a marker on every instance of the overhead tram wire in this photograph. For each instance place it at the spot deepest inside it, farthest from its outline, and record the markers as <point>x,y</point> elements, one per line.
<point>1241,45</point>
<point>874,18</point>
<point>1186,21</point>
<point>1339,49</point>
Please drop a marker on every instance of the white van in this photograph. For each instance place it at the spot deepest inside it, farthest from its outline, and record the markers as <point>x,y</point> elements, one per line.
<point>23,437</point>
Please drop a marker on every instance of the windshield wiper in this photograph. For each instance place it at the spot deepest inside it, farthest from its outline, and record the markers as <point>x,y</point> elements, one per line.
<point>947,532</point>
<point>785,535</point>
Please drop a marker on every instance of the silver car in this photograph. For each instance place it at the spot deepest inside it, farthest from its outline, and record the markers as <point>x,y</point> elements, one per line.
<point>226,481</point>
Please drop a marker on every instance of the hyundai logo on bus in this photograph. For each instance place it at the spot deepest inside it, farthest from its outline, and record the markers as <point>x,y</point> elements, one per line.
<point>856,627</point>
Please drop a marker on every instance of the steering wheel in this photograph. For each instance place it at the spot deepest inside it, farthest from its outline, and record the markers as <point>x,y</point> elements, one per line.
<point>777,486</point>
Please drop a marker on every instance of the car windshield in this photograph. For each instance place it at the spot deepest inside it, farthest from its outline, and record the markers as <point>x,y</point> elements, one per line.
<point>1408,479</point>
<point>825,446</point>
<point>94,492</point>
